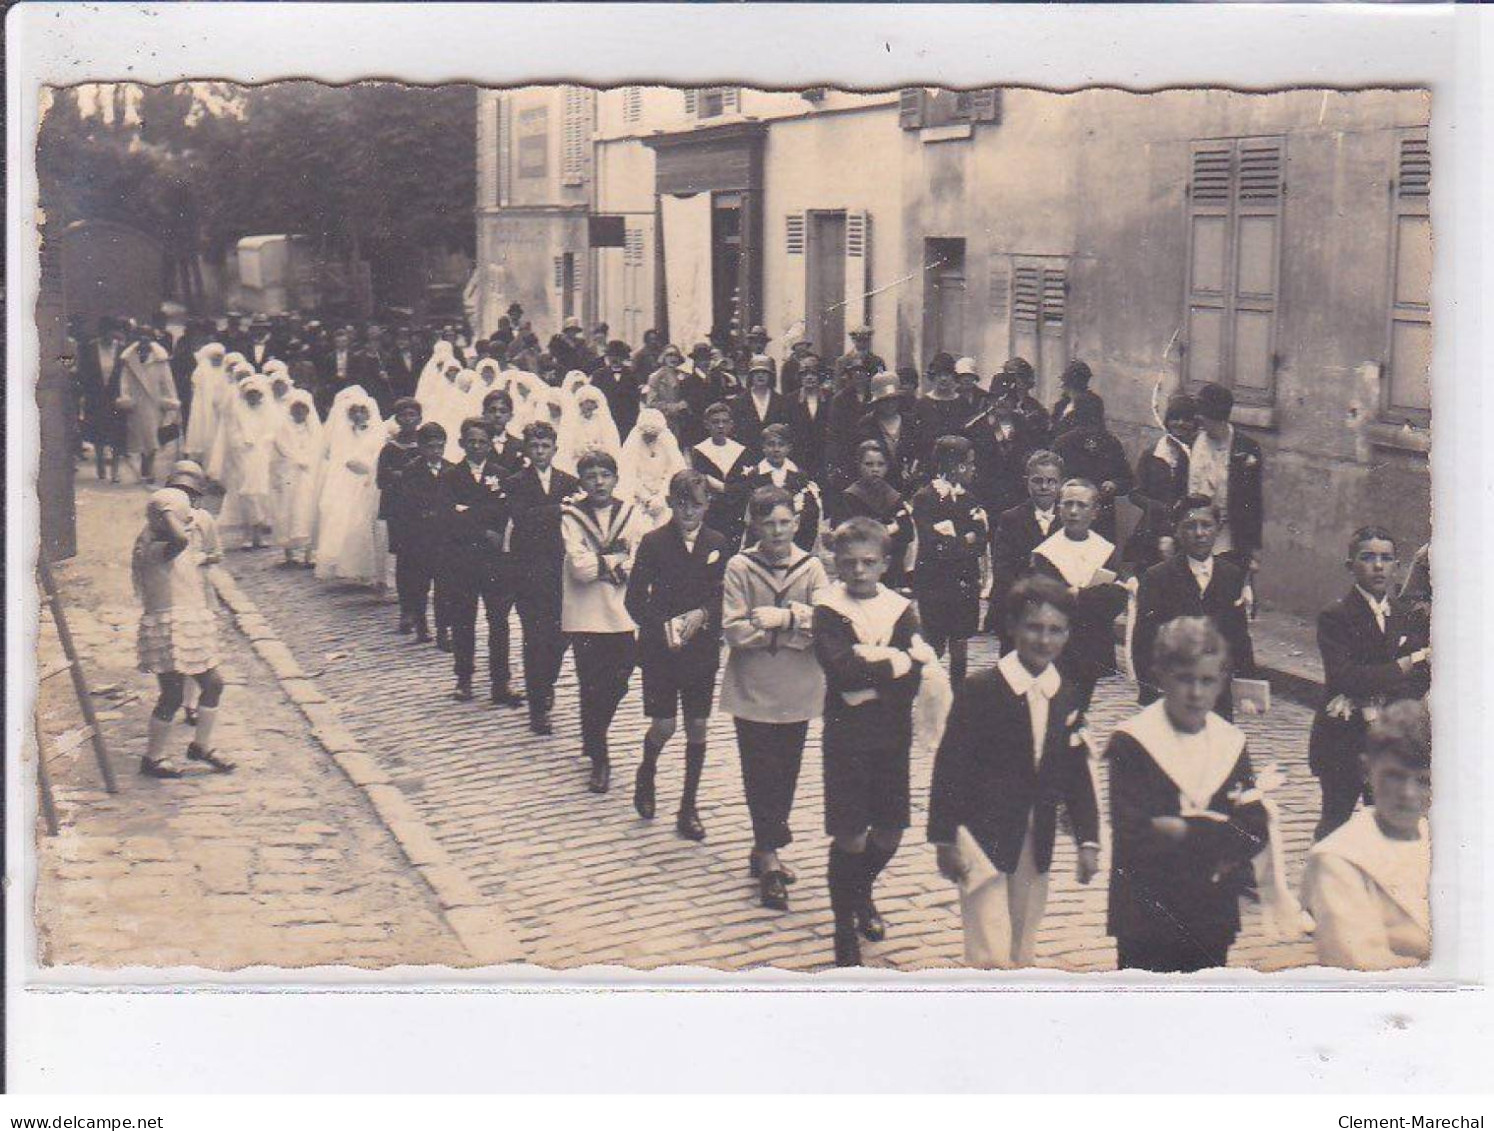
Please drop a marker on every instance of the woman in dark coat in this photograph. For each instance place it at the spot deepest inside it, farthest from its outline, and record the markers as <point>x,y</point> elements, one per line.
<point>1185,814</point>
<point>1161,481</point>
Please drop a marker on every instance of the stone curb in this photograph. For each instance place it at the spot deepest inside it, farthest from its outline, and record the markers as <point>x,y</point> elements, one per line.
<point>485,937</point>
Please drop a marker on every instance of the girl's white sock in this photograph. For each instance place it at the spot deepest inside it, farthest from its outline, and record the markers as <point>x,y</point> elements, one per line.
<point>157,735</point>
<point>207,719</point>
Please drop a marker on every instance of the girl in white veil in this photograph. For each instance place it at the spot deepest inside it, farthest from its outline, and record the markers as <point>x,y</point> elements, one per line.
<point>553,407</point>
<point>297,467</point>
<point>573,382</point>
<point>591,428</point>
<point>441,356</point>
<point>347,542</point>
<point>235,368</point>
<point>248,434</point>
<point>525,389</point>
<point>486,378</point>
<point>650,457</point>
<point>208,380</point>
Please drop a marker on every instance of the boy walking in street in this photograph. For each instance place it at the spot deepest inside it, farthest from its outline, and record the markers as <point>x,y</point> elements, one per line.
<point>952,534</point>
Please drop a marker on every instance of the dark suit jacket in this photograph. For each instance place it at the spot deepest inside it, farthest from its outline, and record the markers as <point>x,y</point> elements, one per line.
<point>1161,888</point>
<point>420,506</point>
<point>884,723</point>
<point>1096,455</point>
<point>811,435</point>
<point>1159,485</point>
<point>667,580</point>
<point>1017,535</point>
<point>535,546</point>
<point>402,377</point>
<point>477,516</point>
<point>271,352</point>
<point>1359,661</point>
<point>1000,468</point>
<point>1064,410</point>
<point>1169,591</point>
<point>510,455</point>
<point>1090,653</point>
<point>1246,505</point>
<point>987,778</point>
<point>749,426</point>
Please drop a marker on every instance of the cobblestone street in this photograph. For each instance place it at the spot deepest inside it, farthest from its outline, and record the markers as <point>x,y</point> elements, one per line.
<point>283,863</point>
<point>582,880</point>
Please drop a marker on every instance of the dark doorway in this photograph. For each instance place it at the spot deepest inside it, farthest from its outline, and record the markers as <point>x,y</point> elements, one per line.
<point>568,285</point>
<point>826,318</point>
<point>944,298</point>
<point>726,268</point>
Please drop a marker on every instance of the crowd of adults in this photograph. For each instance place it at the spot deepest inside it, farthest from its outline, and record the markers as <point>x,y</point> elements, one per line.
<point>507,471</point>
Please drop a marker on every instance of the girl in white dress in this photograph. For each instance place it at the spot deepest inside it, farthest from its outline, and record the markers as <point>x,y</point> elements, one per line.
<point>298,458</point>
<point>208,381</point>
<point>235,368</point>
<point>347,542</point>
<point>650,457</point>
<point>177,636</point>
<point>248,435</point>
<point>590,429</point>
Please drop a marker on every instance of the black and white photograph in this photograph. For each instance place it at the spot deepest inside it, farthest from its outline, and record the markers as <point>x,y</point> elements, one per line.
<point>655,526</point>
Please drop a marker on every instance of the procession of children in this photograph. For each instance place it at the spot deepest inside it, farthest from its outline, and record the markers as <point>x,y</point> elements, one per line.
<point>784,554</point>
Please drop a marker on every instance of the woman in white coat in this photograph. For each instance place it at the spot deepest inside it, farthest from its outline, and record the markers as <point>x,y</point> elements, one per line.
<point>348,546</point>
<point>299,452</point>
<point>147,397</point>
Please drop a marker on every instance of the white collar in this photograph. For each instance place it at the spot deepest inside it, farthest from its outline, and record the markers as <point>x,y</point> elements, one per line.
<point>1021,681</point>
<point>766,468</point>
<point>1046,515</point>
<point>1197,778</point>
<point>874,618</point>
<point>1076,561</point>
<point>722,456</point>
<point>1203,568</point>
<point>945,489</point>
<point>1361,843</point>
<point>1380,607</point>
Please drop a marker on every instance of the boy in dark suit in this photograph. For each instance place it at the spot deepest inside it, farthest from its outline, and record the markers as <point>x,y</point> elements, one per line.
<point>1021,530</point>
<point>498,410</point>
<point>535,553</point>
<point>419,512</point>
<point>1193,583</point>
<point>726,466</point>
<point>1011,754</point>
<point>952,534</point>
<point>674,595</point>
<point>477,516</point>
<point>777,470</point>
<point>402,451</point>
<point>1373,654</point>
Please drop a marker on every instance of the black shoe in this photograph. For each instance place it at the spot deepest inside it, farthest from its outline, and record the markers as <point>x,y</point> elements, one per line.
<point>443,639</point>
<point>601,777</point>
<point>687,824</point>
<point>463,693</point>
<point>160,768</point>
<point>223,765</point>
<point>503,697</point>
<point>406,626</point>
<point>870,923</point>
<point>755,868</point>
<point>773,890</point>
<point>847,948</point>
<point>539,723</point>
<point>643,790</point>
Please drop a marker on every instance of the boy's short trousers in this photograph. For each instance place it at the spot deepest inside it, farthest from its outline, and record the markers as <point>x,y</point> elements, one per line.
<point>948,613</point>
<point>865,788</point>
<point>670,687</point>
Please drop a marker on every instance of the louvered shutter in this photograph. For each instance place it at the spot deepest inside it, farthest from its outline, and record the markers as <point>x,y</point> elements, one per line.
<point>504,140</point>
<point>1053,317</point>
<point>912,106</point>
<point>576,128</point>
<point>692,103</point>
<point>858,269</point>
<point>1026,307</point>
<point>1407,377</point>
<point>792,311</point>
<point>632,104</point>
<point>731,100</point>
<point>1259,186</point>
<point>985,105</point>
<point>1209,207</point>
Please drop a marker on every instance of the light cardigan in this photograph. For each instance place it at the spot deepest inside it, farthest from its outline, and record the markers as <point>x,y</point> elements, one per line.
<point>590,602</point>
<point>772,677</point>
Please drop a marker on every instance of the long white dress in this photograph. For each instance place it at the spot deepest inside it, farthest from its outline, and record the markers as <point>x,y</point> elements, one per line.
<point>235,368</point>
<point>299,451</point>
<point>650,457</point>
<point>348,545</point>
<point>249,433</point>
<point>590,428</point>
<point>208,380</point>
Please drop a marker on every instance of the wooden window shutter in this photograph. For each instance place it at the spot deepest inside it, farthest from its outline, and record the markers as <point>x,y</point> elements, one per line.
<point>559,272</point>
<point>632,104</point>
<point>858,268</point>
<point>1256,254</point>
<point>1053,346</point>
<point>1406,395</point>
<point>912,105</point>
<point>985,105</point>
<point>1026,309</point>
<point>576,136</point>
<point>731,100</point>
<point>692,103</point>
<point>1209,209</point>
<point>794,233</point>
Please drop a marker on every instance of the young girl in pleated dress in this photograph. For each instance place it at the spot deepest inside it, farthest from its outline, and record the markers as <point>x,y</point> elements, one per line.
<point>177,636</point>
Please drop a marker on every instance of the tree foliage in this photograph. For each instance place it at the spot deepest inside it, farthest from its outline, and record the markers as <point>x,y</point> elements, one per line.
<point>379,171</point>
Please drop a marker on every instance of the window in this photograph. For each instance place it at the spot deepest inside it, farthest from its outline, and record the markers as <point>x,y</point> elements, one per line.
<point>533,141</point>
<point>1235,196</point>
<point>1039,316</point>
<point>1406,382</point>
<point>944,296</point>
<point>921,107</point>
<point>713,101</point>
<point>575,162</point>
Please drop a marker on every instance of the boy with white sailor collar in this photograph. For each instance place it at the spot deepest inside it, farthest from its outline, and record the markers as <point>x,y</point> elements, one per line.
<point>867,640</point>
<point>775,469</point>
<point>726,465</point>
<point>1086,563</point>
<point>1013,751</point>
<point>674,594</point>
<point>601,535</point>
<point>952,530</point>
